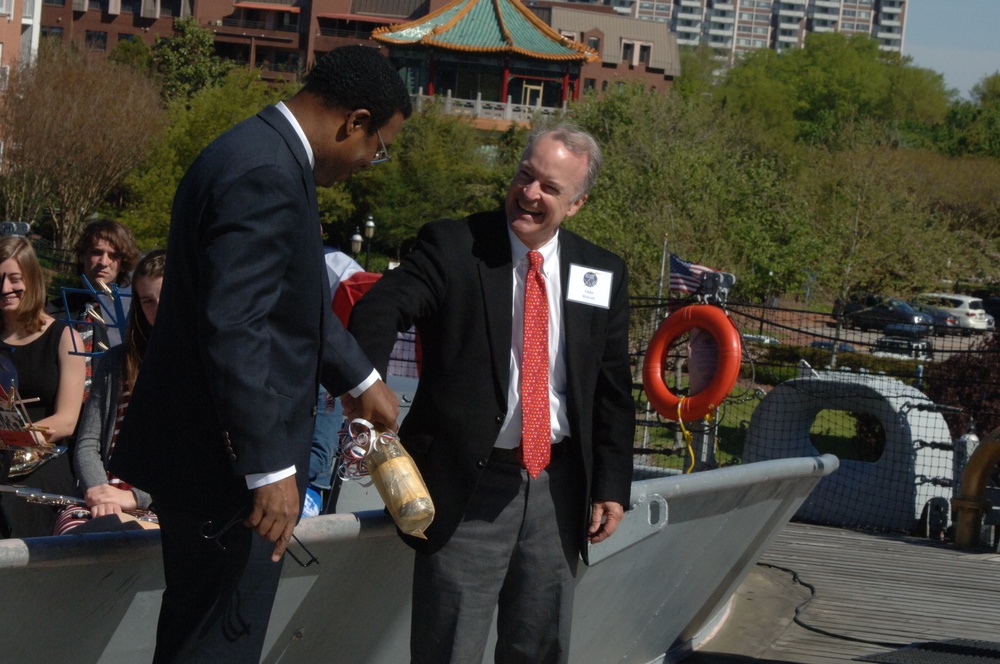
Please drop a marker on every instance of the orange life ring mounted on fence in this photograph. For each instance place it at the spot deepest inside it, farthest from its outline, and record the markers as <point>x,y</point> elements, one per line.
<point>716,322</point>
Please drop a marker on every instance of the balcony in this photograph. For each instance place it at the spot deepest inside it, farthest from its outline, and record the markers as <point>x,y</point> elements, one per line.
<point>692,3</point>
<point>688,40</point>
<point>726,5</point>
<point>890,22</point>
<point>720,31</point>
<point>722,18</point>
<point>689,15</point>
<point>791,13</point>
<point>829,4</point>
<point>888,9</point>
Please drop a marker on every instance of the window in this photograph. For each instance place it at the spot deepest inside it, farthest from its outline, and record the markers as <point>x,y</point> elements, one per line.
<point>589,83</point>
<point>628,49</point>
<point>744,28</point>
<point>644,53</point>
<point>97,40</point>
<point>760,31</point>
<point>52,31</point>
<point>742,42</point>
<point>594,43</point>
<point>604,86</point>
<point>57,3</point>
<point>759,43</point>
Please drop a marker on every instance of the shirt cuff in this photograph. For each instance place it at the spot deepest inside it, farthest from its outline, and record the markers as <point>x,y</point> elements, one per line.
<point>365,384</point>
<point>257,480</point>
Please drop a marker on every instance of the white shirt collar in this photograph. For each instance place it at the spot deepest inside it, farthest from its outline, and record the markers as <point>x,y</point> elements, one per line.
<point>549,251</point>
<point>298,130</point>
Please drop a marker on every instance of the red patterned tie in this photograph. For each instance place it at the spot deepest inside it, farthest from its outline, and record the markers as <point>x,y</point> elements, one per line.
<point>536,431</point>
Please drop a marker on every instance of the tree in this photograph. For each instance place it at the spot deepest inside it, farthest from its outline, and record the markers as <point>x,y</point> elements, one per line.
<point>812,93</point>
<point>440,167</point>
<point>871,218</point>
<point>192,124</point>
<point>187,62</point>
<point>73,125</point>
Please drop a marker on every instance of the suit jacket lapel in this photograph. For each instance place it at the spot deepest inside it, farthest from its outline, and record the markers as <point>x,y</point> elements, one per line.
<point>576,319</point>
<point>497,294</point>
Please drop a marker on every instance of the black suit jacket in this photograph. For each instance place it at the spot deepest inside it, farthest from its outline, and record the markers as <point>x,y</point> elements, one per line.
<point>456,288</point>
<point>243,331</point>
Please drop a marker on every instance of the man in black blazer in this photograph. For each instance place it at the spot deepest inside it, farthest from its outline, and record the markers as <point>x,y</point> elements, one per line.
<point>502,536</point>
<point>219,424</point>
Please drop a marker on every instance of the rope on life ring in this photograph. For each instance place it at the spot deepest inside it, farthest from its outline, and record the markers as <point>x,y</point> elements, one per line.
<point>716,322</point>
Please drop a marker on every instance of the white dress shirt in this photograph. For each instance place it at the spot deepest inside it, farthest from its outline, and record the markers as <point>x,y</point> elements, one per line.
<point>510,431</point>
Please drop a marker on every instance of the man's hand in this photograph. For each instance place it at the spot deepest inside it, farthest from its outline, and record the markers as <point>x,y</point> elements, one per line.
<point>378,404</point>
<point>275,513</point>
<point>604,519</point>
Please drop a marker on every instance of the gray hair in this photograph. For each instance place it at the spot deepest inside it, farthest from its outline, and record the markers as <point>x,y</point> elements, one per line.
<point>579,143</point>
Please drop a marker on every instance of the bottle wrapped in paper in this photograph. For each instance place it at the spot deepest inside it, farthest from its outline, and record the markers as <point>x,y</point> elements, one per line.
<point>396,477</point>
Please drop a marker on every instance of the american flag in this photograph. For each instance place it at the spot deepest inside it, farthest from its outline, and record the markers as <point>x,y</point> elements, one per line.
<point>685,276</point>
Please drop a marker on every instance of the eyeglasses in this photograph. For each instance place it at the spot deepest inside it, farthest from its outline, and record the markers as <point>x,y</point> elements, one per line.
<point>381,155</point>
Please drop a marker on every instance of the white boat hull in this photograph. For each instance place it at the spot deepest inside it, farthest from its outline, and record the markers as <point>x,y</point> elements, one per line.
<point>660,584</point>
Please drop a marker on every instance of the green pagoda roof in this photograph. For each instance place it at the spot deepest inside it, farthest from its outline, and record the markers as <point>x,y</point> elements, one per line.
<point>489,27</point>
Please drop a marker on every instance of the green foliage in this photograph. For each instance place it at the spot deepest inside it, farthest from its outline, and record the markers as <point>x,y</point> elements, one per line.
<point>187,63</point>
<point>698,66</point>
<point>134,53</point>
<point>812,93</point>
<point>193,124</point>
<point>440,167</point>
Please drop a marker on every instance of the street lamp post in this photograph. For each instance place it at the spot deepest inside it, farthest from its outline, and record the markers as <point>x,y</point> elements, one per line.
<point>356,241</point>
<point>369,232</point>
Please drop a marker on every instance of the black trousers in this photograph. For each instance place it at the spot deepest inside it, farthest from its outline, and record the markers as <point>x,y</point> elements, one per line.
<point>219,590</point>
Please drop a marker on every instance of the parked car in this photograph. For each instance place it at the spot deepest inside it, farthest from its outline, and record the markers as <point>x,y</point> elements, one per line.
<point>903,348</point>
<point>885,312</point>
<point>966,309</point>
<point>842,347</point>
<point>991,323</point>
<point>943,320</point>
<point>992,306</point>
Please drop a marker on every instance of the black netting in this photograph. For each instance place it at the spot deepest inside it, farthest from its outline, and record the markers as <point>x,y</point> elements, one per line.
<point>894,408</point>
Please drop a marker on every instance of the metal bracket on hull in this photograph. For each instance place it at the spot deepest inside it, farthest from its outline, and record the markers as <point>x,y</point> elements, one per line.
<point>644,518</point>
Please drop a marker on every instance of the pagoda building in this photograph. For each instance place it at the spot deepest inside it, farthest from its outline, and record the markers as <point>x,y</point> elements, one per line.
<point>491,49</point>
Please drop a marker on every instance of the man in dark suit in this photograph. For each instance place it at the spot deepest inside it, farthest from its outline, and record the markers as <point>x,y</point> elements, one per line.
<point>509,529</point>
<point>219,424</point>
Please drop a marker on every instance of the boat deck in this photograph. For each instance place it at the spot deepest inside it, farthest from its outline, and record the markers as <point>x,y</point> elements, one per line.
<point>873,595</point>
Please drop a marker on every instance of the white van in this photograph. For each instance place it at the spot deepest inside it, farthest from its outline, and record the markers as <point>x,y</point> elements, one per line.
<point>966,309</point>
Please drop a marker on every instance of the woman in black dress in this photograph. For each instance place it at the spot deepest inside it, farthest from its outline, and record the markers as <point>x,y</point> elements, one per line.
<point>43,350</point>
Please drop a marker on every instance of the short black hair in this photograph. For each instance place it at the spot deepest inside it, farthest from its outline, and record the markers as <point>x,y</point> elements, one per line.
<point>358,76</point>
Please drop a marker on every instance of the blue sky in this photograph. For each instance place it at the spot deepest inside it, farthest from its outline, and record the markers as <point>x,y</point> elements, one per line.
<point>957,38</point>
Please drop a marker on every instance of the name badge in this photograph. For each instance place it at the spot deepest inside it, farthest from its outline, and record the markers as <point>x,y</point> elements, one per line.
<point>588,285</point>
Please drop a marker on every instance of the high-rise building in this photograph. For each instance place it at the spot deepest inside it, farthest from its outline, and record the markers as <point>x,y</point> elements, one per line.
<point>733,27</point>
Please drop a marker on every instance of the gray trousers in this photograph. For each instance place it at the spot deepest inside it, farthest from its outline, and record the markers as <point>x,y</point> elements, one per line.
<point>516,550</point>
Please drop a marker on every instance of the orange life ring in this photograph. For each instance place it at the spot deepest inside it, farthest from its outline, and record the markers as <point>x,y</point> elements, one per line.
<point>727,339</point>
